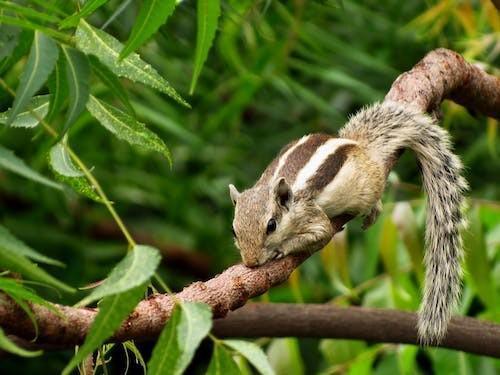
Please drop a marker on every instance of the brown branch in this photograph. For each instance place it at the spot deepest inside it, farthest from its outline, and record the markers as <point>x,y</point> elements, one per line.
<point>441,74</point>
<point>357,323</point>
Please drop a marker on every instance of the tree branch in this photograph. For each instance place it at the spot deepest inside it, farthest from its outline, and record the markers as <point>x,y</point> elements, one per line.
<point>441,74</point>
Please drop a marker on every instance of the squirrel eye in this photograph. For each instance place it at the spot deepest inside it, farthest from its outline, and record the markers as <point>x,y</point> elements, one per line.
<point>271,226</point>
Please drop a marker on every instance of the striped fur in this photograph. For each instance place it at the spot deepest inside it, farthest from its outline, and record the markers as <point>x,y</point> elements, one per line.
<point>318,177</point>
<point>382,130</point>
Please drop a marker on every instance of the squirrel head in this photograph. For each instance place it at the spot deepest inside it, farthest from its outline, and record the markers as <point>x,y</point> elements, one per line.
<point>271,222</point>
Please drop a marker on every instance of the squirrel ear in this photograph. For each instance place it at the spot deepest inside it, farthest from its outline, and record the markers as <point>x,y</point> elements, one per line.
<point>233,193</point>
<point>283,192</point>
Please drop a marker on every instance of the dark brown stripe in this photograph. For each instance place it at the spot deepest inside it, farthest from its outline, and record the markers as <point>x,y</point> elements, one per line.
<point>269,171</point>
<point>329,169</point>
<point>301,155</point>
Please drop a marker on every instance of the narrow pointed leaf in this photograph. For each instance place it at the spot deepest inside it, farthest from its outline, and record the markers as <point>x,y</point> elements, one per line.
<point>135,269</point>
<point>9,346</point>
<point>207,14</point>
<point>112,311</point>
<point>29,118</point>
<point>189,324</point>
<point>126,127</point>
<point>12,260</point>
<point>152,15</point>
<point>41,61</point>
<point>70,174</point>
<point>222,363</point>
<point>9,161</point>
<point>58,88</point>
<point>107,49</point>
<point>7,239</point>
<point>89,8</point>
<point>112,81</point>
<point>253,354</point>
<point>77,76</point>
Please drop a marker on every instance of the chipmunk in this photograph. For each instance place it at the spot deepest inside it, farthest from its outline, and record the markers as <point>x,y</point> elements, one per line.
<point>318,177</point>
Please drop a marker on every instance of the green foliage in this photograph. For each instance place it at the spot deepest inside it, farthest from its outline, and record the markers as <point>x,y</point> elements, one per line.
<point>152,15</point>
<point>41,61</point>
<point>261,74</point>
<point>10,347</point>
<point>12,163</point>
<point>252,354</point>
<point>134,270</point>
<point>113,309</point>
<point>189,323</point>
<point>222,363</point>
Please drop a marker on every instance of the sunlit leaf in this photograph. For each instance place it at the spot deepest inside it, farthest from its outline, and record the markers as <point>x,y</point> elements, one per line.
<point>77,77</point>
<point>107,49</point>
<point>112,311</point>
<point>152,15</point>
<point>41,61</point>
<point>36,110</point>
<point>7,239</point>
<point>9,161</point>
<point>189,323</point>
<point>89,8</point>
<point>208,12</point>
<point>135,269</point>
<point>222,363</point>
<point>126,127</point>
<point>284,356</point>
<point>112,81</point>
<point>12,260</point>
<point>9,346</point>
<point>253,354</point>
<point>70,174</point>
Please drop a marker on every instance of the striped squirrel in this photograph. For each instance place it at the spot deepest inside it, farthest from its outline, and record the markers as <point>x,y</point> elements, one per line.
<point>319,177</point>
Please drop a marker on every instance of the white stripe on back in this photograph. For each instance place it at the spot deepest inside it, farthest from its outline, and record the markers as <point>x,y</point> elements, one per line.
<point>283,158</point>
<point>321,154</point>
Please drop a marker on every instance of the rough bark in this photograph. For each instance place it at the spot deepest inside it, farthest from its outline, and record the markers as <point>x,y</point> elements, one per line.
<point>441,74</point>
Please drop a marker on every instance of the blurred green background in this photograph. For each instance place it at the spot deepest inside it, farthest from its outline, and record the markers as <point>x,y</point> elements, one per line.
<point>277,70</point>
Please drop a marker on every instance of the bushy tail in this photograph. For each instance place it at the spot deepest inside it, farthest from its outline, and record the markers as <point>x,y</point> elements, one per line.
<point>385,128</point>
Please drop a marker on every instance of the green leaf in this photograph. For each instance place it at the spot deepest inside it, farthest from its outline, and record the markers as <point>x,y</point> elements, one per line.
<point>207,14</point>
<point>37,109</point>
<point>222,363</point>
<point>14,261</point>
<point>152,15</point>
<point>112,311</point>
<point>12,163</point>
<point>126,127</point>
<point>70,174</point>
<point>41,61</point>
<point>479,270</point>
<point>58,88</point>
<point>135,269</point>
<point>23,45</point>
<point>27,12</point>
<point>9,346</point>
<point>77,76</point>
<point>9,38</point>
<point>284,356</point>
<point>89,8</point>
<point>253,354</point>
<point>189,324</point>
<point>112,81</point>
<point>19,247</point>
<point>107,49</point>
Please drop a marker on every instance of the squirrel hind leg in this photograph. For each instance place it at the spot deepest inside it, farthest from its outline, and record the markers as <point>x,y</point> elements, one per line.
<point>372,216</point>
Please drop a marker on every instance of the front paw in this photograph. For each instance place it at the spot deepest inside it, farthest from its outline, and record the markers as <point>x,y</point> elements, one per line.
<point>372,216</point>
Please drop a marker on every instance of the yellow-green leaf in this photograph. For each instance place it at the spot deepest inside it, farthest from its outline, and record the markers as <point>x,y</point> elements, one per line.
<point>9,346</point>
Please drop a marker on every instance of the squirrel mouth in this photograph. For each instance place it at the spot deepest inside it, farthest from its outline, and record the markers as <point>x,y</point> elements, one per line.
<point>277,254</point>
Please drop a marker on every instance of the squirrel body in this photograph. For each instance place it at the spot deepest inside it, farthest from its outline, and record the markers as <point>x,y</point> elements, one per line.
<point>318,177</point>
